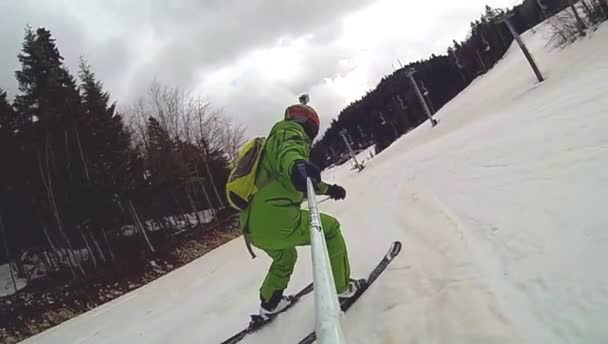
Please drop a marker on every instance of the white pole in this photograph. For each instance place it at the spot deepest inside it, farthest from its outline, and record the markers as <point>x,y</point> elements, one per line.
<point>410,74</point>
<point>350,150</point>
<point>327,308</point>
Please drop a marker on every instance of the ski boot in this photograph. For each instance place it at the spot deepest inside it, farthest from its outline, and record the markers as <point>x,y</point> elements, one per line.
<point>355,286</point>
<point>277,304</point>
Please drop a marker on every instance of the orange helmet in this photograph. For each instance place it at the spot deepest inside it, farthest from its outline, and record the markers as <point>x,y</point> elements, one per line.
<point>306,116</point>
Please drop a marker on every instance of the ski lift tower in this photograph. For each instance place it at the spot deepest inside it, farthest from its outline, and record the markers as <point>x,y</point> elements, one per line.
<point>353,156</point>
<point>459,65</point>
<point>507,20</point>
<point>427,96</point>
<point>410,74</point>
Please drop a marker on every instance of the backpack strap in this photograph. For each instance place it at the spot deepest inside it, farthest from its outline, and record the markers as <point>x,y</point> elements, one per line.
<point>246,233</point>
<point>248,245</point>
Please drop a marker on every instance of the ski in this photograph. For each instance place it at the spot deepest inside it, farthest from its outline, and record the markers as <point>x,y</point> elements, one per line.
<point>257,322</point>
<point>393,251</point>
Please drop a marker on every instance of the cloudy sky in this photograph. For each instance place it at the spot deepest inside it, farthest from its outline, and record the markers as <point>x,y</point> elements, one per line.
<point>250,57</point>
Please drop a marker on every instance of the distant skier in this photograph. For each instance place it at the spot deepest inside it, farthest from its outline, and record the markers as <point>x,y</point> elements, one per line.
<point>274,222</point>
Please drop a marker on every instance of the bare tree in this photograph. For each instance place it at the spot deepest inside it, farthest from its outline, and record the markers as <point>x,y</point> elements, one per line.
<point>582,26</point>
<point>190,121</point>
<point>138,119</point>
<point>234,138</point>
<point>208,137</point>
<point>565,28</point>
<point>167,105</point>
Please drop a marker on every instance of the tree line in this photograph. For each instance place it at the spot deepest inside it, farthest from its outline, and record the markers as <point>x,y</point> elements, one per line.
<point>82,183</point>
<point>392,109</point>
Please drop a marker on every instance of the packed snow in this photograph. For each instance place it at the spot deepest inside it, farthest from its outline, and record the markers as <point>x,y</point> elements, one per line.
<point>501,209</point>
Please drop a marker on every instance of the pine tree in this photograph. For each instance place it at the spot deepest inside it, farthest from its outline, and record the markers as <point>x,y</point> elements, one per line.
<point>47,106</point>
<point>7,117</point>
<point>103,145</point>
<point>7,148</point>
<point>43,80</point>
<point>162,168</point>
<point>103,135</point>
<point>490,14</point>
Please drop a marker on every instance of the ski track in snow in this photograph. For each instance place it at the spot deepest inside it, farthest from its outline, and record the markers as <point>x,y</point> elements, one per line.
<point>501,209</point>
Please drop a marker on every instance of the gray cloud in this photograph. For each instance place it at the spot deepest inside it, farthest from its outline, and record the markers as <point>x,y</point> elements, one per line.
<point>210,46</point>
<point>193,36</point>
<point>319,63</point>
<point>15,17</point>
<point>224,31</point>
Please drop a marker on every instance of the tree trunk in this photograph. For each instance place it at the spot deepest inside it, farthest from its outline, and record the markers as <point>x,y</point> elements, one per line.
<point>19,266</point>
<point>100,253</point>
<point>105,238</point>
<point>211,208</point>
<point>543,9</point>
<point>8,253</point>
<point>212,180</point>
<point>502,37</point>
<point>190,195</point>
<point>49,264</point>
<point>47,182</point>
<point>581,24</point>
<point>210,205</point>
<point>86,243</point>
<point>140,225</point>
<point>482,63</point>
<point>67,155</point>
<point>180,210</point>
<point>588,11</point>
<point>54,248</point>
<point>82,159</point>
<point>52,255</point>
<point>208,169</point>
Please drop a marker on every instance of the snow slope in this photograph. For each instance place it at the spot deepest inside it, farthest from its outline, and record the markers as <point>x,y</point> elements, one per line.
<point>501,209</point>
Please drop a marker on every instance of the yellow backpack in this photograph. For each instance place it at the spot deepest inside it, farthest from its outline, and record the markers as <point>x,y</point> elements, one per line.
<point>241,187</point>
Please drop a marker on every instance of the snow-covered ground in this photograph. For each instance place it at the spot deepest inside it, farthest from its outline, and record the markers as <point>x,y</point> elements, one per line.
<point>7,286</point>
<point>502,210</point>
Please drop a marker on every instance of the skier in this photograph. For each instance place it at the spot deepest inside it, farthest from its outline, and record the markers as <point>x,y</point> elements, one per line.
<point>274,222</point>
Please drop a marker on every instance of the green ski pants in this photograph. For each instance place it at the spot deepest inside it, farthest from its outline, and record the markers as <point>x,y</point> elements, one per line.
<point>280,244</point>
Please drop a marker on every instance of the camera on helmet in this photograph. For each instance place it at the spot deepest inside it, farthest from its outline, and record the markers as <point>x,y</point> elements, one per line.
<point>304,99</point>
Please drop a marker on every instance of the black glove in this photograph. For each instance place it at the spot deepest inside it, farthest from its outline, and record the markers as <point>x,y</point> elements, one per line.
<point>336,192</point>
<point>302,170</point>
